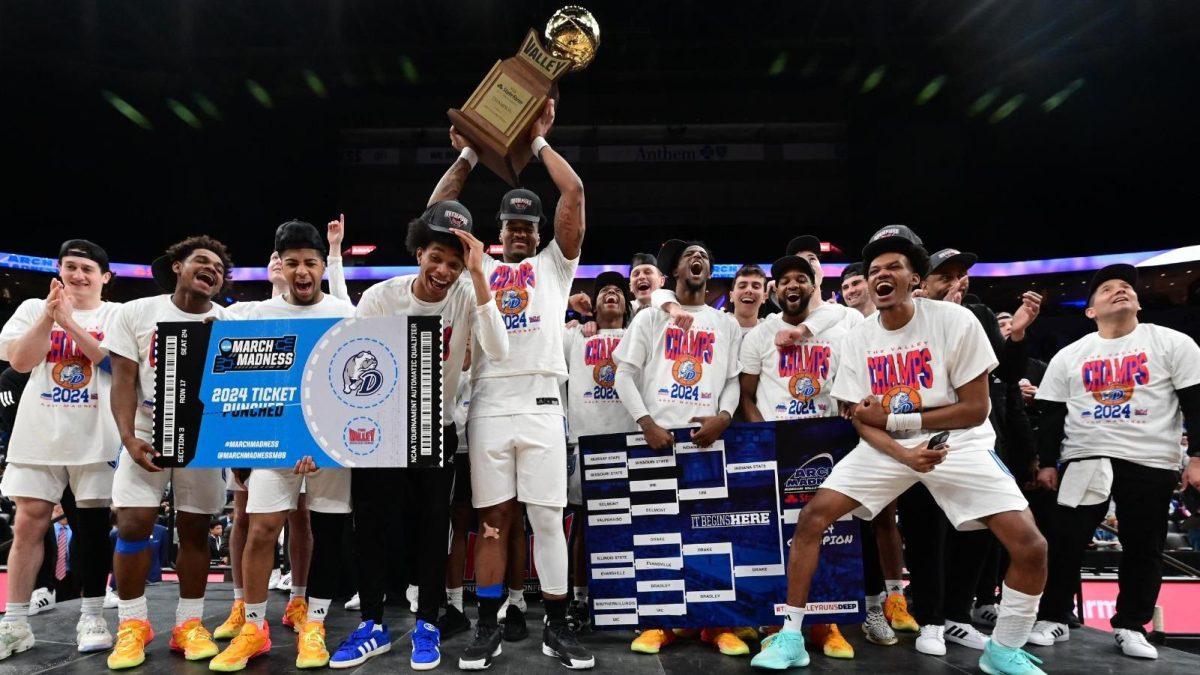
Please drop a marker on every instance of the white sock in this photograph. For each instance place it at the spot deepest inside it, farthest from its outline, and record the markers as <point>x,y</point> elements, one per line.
<point>317,609</point>
<point>894,586</point>
<point>299,591</point>
<point>256,612</point>
<point>1015,617</point>
<point>516,598</point>
<point>16,612</point>
<point>188,608</point>
<point>133,609</point>
<point>875,602</point>
<point>793,619</point>
<point>580,593</point>
<point>238,593</point>
<point>454,598</point>
<point>92,606</point>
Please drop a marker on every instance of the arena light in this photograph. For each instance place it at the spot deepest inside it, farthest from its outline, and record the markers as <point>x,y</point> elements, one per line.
<point>778,65</point>
<point>873,79</point>
<point>1007,108</point>
<point>409,69</point>
<point>131,113</point>
<point>182,112</point>
<point>983,102</point>
<point>259,93</point>
<point>207,106</point>
<point>315,84</point>
<point>1058,98</point>
<point>361,249</point>
<point>930,90</point>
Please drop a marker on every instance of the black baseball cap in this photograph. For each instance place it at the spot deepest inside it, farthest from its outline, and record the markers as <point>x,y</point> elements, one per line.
<point>792,262</point>
<point>805,242</point>
<point>298,234</point>
<point>1126,273</point>
<point>642,259</point>
<point>82,248</point>
<point>447,215</point>
<point>897,239</point>
<point>520,204</point>
<point>854,269</point>
<point>611,278</point>
<point>668,255</point>
<point>948,255</point>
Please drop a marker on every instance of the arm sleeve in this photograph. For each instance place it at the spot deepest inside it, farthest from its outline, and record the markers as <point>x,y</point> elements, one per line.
<point>1189,402</point>
<point>1051,431</point>
<point>661,297</point>
<point>20,323</point>
<point>1013,360</point>
<point>626,384</point>
<point>827,316</point>
<point>490,331</point>
<point>121,339</point>
<point>337,278</point>
<point>731,395</point>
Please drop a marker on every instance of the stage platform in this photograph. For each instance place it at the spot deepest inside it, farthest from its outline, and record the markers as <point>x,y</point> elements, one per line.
<point>1088,651</point>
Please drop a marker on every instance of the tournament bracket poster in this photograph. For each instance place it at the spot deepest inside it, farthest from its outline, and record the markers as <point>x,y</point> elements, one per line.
<point>695,537</point>
<point>259,394</point>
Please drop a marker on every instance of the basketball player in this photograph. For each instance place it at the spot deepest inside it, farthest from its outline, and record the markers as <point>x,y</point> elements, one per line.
<point>64,436</point>
<point>854,289</point>
<point>747,296</point>
<point>914,368</point>
<point>197,268</point>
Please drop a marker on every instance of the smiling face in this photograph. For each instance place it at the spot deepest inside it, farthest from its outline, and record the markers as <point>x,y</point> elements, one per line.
<point>441,265</point>
<point>644,280</point>
<point>519,238</point>
<point>610,304</point>
<point>201,272</point>
<point>694,267</point>
<point>946,279</point>
<point>794,289</point>
<point>303,269</point>
<point>854,291</point>
<point>749,293</point>
<point>890,280</point>
<point>1114,299</point>
<point>83,279</point>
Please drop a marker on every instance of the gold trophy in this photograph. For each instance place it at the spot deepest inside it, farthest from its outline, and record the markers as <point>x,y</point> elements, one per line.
<point>497,117</point>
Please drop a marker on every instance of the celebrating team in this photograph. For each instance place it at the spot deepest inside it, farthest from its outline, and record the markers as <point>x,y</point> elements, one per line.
<point>905,360</point>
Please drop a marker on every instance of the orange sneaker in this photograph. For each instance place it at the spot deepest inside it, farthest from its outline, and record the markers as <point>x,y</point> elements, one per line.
<point>296,613</point>
<point>651,640</point>
<point>726,642</point>
<point>194,640</point>
<point>895,608</point>
<point>250,642</point>
<point>130,651</point>
<point>232,625</point>
<point>832,643</point>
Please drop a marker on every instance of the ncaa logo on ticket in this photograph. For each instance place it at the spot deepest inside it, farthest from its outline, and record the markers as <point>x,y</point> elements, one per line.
<point>248,354</point>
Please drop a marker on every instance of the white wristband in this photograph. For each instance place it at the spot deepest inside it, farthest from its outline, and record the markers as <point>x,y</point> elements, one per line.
<point>468,155</point>
<point>538,145</point>
<point>904,422</point>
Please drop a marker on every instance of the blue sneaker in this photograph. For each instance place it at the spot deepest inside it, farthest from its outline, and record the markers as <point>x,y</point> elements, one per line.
<point>426,641</point>
<point>782,651</point>
<point>367,641</point>
<point>1000,660</point>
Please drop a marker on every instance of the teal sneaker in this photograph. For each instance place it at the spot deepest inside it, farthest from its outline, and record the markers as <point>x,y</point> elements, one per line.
<point>1000,660</point>
<point>782,651</point>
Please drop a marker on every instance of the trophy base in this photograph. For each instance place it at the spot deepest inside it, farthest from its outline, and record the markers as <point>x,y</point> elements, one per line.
<point>503,159</point>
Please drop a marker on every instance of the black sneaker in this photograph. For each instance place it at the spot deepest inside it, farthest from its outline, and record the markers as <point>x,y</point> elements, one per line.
<point>483,648</point>
<point>579,618</point>
<point>559,641</point>
<point>453,622</point>
<point>515,629</point>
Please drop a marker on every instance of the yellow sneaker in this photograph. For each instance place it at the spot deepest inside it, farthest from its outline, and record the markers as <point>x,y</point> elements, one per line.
<point>310,648</point>
<point>746,633</point>
<point>130,651</point>
<point>251,641</point>
<point>296,613</point>
<point>194,640</point>
<point>652,640</point>
<point>727,643</point>
<point>233,625</point>
<point>832,643</point>
<point>895,608</point>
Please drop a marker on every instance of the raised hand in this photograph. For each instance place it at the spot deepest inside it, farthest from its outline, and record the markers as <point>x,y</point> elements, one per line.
<point>1031,306</point>
<point>473,249</point>
<point>544,123</point>
<point>335,232</point>
<point>457,140</point>
<point>581,304</point>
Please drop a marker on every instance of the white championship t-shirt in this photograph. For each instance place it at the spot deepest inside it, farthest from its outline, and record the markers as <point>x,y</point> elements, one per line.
<point>242,310</point>
<point>459,316</point>
<point>64,417</point>
<point>462,403</point>
<point>683,372</point>
<point>1120,394</point>
<point>133,336</point>
<point>919,366</point>
<point>277,308</point>
<point>793,382</point>
<point>532,298</point>
<point>593,406</point>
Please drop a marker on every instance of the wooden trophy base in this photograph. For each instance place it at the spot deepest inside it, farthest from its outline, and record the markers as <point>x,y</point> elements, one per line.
<point>505,161</point>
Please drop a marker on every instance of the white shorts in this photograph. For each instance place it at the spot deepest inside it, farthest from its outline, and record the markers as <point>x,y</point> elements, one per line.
<point>196,490</point>
<point>971,484</point>
<point>522,456</point>
<point>232,483</point>
<point>92,484</point>
<point>275,490</point>
<point>574,476</point>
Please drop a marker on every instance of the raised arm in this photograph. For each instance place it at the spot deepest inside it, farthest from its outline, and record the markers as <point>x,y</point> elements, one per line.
<point>490,331</point>
<point>335,232</point>
<point>452,181</point>
<point>568,215</point>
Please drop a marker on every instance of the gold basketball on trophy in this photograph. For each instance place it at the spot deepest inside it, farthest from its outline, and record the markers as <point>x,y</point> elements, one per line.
<point>573,34</point>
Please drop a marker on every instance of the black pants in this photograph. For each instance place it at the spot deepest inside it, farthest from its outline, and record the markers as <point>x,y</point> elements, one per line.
<point>944,563</point>
<point>380,516</point>
<point>1143,495</point>
<point>325,570</point>
<point>873,582</point>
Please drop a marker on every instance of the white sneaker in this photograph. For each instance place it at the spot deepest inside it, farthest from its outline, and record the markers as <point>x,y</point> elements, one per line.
<point>353,604</point>
<point>930,641</point>
<point>273,582</point>
<point>285,583</point>
<point>15,637</point>
<point>411,594</point>
<point>985,615</point>
<point>110,599</point>
<point>965,634</point>
<point>91,634</point>
<point>1134,643</point>
<point>1046,633</point>
<point>877,629</point>
<point>42,600</point>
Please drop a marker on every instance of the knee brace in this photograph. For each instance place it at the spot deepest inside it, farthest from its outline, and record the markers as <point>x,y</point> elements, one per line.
<point>549,547</point>
<point>132,547</point>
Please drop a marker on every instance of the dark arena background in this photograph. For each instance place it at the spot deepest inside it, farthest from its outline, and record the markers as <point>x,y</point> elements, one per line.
<point>1050,137</point>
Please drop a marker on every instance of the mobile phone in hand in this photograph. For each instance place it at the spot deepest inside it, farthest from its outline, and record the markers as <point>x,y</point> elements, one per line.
<point>937,440</point>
